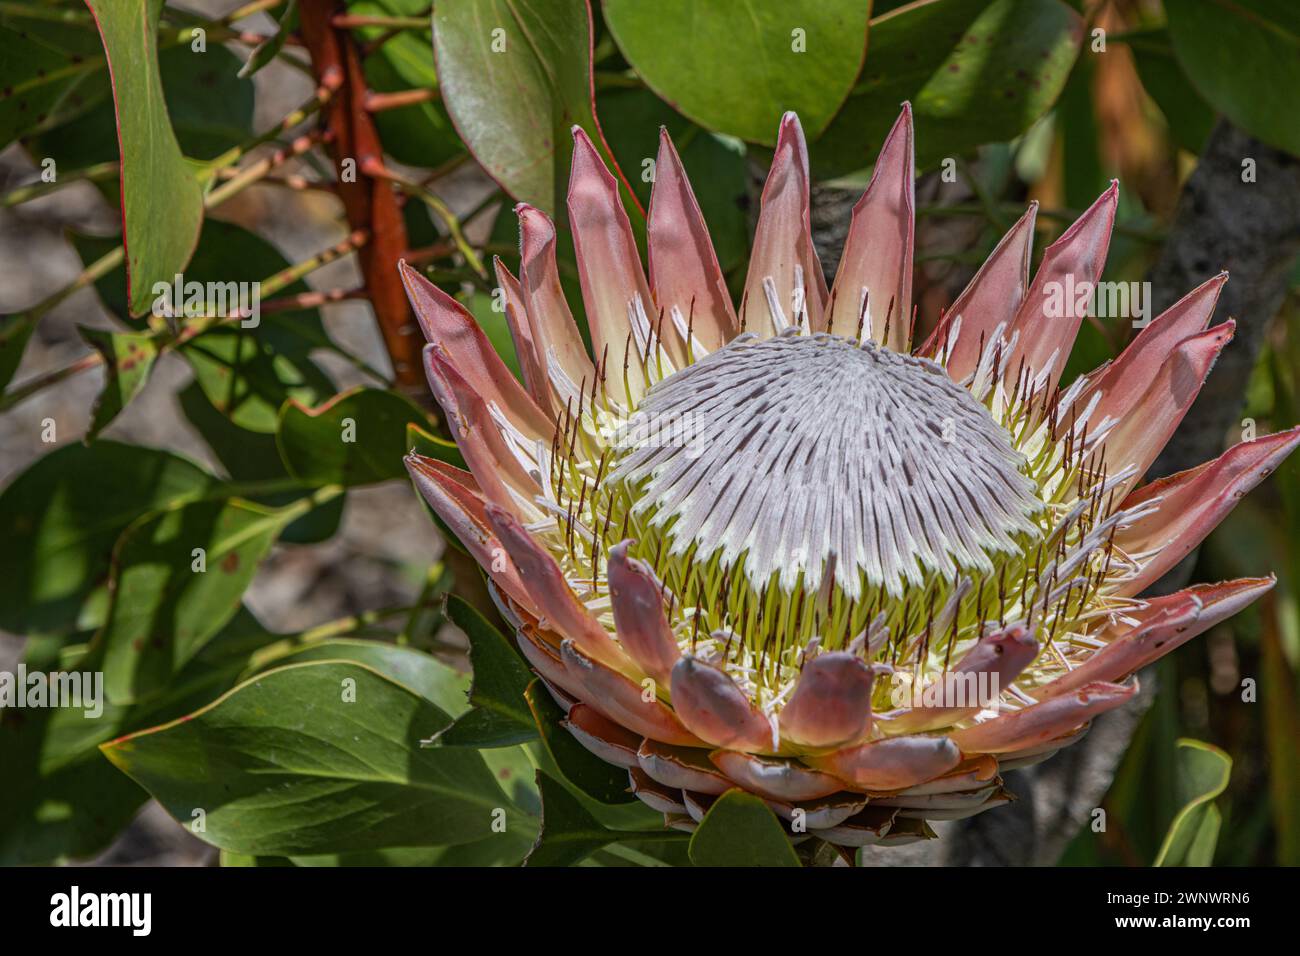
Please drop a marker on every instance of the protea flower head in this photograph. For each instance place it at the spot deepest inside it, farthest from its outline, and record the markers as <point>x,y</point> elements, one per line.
<point>776,547</point>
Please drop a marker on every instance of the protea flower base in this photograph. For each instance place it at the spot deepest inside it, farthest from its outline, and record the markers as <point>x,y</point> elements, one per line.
<point>775,547</point>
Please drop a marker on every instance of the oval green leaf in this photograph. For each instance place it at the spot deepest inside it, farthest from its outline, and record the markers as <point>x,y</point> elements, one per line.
<point>740,830</point>
<point>315,758</point>
<point>515,79</point>
<point>1239,55</point>
<point>737,67</point>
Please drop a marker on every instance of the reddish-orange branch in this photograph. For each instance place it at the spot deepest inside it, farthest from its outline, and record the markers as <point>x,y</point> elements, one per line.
<point>368,202</point>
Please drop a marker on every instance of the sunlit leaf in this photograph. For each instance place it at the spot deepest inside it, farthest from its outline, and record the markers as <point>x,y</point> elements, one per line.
<point>178,577</point>
<point>314,758</point>
<point>128,360</point>
<point>60,518</point>
<point>162,203</point>
<point>737,67</point>
<point>515,77</point>
<point>740,830</point>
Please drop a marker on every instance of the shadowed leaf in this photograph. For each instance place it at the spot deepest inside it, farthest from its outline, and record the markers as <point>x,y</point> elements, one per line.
<point>60,518</point>
<point>1235,52</point>
<point>499,716</point>
<point>358,437</point>
<point>975,72</point>
<point>570,834</point>
<point>1203,772</point>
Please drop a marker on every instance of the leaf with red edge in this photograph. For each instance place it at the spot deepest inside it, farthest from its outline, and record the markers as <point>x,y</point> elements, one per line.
<point>515,76</point>
<point>162,201</point>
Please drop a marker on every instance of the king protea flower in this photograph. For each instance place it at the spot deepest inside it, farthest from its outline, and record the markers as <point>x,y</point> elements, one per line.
<point>777,547</point>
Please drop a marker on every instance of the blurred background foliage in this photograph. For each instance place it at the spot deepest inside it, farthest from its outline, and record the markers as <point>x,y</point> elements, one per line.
<point>451,114</point>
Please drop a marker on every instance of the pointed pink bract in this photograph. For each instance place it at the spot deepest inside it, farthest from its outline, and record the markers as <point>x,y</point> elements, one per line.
<point>783,246</point>
<point>878,251</point>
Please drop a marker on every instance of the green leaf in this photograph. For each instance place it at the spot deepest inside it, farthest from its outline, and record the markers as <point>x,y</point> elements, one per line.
<point>47,75</point>
<point>210,105</point>
<point>15,330</point>
<point>420,134</point>
<point>716,165</point>
<point>61,799</point>
<point>500,716</point>
<point>270,48</point>
<point>1203,772</point>
<point>247,373</point>
<point>59,813</point>
<point>314,758</point>
<point>737,67</point>
<point>357,437</point>
<point>1281,732</point>
<point>128,359</point>
<point>442,686</point>
<point>599,780</point>
<point>515,78</point>
<point>253,456</point>
<point>500,849</point>
<point>1239,55</point>
<point>1189,117</point>
<point>438,683</point>
<point>569,833</point>
<point>168,601</point>
<point>247,379</point>
<point>740,830</point>
<point>61,517</point>
<point>162,203</point>
<point>975,72</point>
